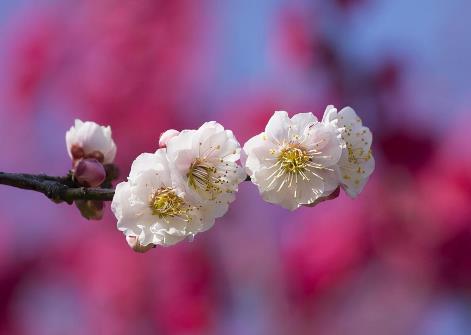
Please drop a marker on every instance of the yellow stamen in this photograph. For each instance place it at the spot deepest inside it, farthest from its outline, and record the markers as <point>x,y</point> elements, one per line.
<point>200,175</point>
<point>294,160</point>
<point>165,203</point>
<point>209,179</point>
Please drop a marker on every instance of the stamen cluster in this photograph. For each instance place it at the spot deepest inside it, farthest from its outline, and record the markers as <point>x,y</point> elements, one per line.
<point>166,203</point>
<point>294,160</point>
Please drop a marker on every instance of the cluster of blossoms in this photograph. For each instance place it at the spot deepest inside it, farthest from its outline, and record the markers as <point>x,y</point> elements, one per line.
<point>179,191</point>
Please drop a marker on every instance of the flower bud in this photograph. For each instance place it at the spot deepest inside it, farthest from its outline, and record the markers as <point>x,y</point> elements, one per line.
<point>90,140</point>
<point>134,244</point>
<point>90,209</point>
<point>167,136</point>
<point>90,172</point>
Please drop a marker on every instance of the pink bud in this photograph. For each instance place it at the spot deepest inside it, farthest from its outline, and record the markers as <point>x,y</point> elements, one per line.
<point>90,172</point>
<point>167,136</point>
<point>135,245</point>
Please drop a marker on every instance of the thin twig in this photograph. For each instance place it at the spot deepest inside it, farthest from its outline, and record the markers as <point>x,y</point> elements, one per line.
<point>55,188</point>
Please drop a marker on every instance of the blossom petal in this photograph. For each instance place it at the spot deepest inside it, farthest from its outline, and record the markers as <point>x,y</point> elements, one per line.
<point>301,121</point>
<point>277,127</point>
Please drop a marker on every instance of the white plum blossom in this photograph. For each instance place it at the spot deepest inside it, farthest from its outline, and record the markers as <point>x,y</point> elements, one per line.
<point>356,163</point>
<point>293,161</point>
<point>90,140</point>
<point>205,162</point>
<point>153,209</point>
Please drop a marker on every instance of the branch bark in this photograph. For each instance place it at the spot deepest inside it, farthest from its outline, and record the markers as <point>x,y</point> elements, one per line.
<point>55,188</point>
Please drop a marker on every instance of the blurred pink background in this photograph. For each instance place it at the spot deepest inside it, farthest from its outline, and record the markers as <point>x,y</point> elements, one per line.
<point>397,260</point>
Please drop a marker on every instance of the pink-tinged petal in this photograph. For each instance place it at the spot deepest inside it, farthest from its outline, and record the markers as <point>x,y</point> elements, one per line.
<point>166,136</point>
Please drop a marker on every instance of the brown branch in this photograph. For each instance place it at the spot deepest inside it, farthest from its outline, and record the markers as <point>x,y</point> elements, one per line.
<point>55,188</point>
<point>60,189</point>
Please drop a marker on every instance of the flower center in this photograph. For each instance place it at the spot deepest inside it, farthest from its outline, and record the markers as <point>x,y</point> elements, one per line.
<point>166,203</point>
<point>294,163</point>
<point>203,177</point>
<point>294,160</point>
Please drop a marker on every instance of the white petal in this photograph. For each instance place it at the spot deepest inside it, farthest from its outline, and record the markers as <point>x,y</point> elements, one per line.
<point>277,127</point>
<point>310,191</point>
<point>259,153</point>
<point>285,198</point>
<point>180,152</point>
<point>166,136</point>
<point>122,209</point>
<point>330,181</point>
<point>348,118</point>
<point>330,114</point>
<point>147,161</point>
<point>182,141</point>
<point>354,188</point>
<point>369,166</point>
<point>323,139</point>
<point>171,239</point>
<point>120,203</point>
<point>353,177</point>
<point>359,138</point>
<point>301,121</point>
<point>211,127</point>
